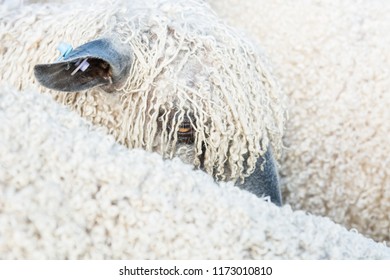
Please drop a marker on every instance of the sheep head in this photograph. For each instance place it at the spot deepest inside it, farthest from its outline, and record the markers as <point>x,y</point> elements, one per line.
<point>183,97</point>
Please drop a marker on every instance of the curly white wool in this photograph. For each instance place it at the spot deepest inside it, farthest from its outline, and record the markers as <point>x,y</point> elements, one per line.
<point>333,60</point>
<point>186,61</point>
<point>68,191</point>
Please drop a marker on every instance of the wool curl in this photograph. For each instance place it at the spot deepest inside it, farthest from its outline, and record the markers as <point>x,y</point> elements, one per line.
<point>333,60</point>
<point>187,64</point>
<point>71,192</point>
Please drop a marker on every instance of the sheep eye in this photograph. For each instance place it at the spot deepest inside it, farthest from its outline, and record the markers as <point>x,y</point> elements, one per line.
<point>185,133</point>
<point>184,129</point>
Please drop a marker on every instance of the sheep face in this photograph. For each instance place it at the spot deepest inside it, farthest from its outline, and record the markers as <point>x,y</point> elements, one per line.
<point>174,116</point>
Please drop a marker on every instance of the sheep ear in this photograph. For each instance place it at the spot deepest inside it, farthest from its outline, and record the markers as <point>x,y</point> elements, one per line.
<point>97,63</point>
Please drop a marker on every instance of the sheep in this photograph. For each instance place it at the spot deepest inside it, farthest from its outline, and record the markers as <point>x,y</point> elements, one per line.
<point>69,191</point>
<point>165,76</point>
<point>332,60</point>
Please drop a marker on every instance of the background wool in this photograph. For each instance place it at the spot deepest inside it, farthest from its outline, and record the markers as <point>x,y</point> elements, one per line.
<point>69,191</point>
<point>333,60</point>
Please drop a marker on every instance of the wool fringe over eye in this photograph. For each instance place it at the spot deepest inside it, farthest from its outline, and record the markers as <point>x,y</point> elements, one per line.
<point>188,62</point>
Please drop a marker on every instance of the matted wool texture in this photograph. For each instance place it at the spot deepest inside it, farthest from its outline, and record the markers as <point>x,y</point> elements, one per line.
<point>69,191</point>
<point>333,61</point>
<point>186,64</point>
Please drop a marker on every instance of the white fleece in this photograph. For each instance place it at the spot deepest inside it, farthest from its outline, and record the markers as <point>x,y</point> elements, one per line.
<point>58,175</point>
<point>69,191</point>
<point>333,60</point>
<point>184,61</point>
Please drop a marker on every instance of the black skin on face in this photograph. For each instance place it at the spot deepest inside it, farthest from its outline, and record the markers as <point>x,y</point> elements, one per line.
<point>264,181</point>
